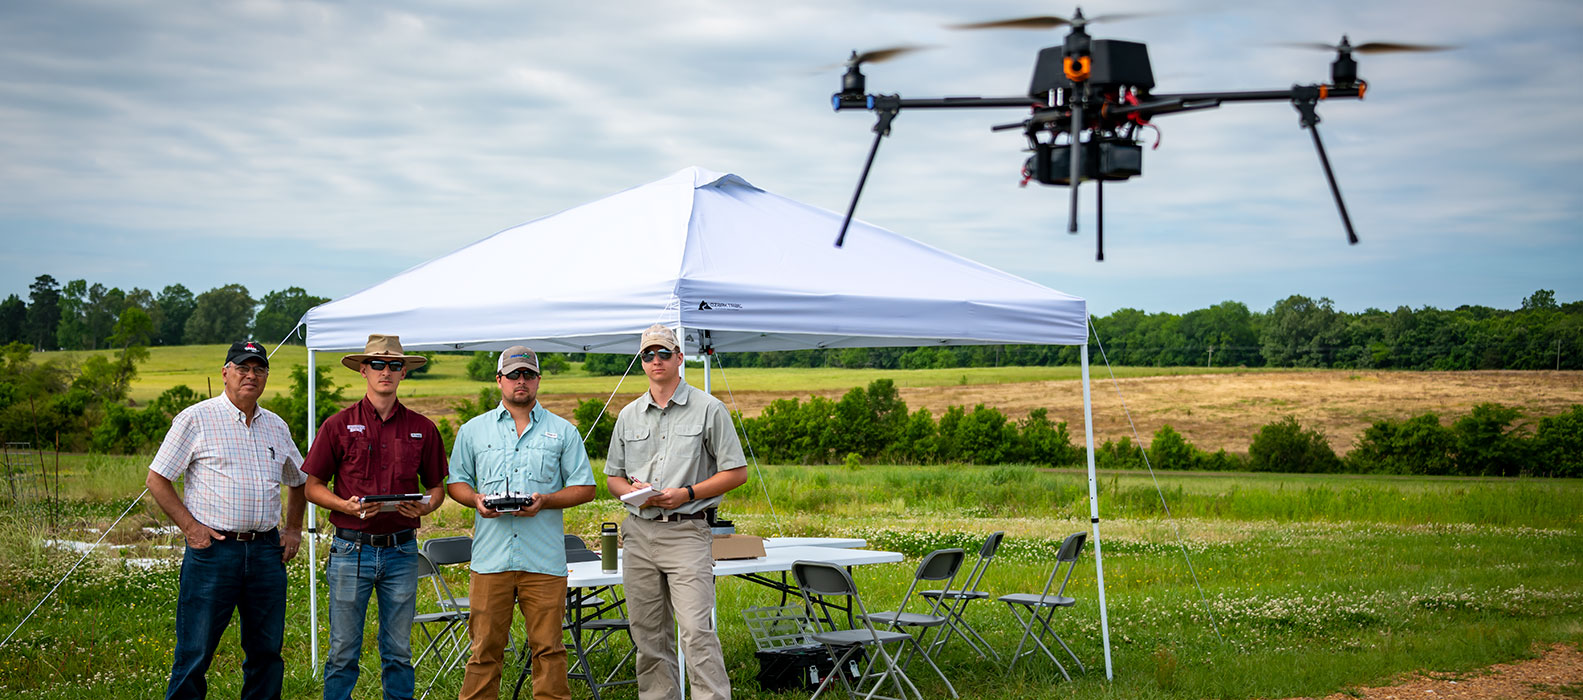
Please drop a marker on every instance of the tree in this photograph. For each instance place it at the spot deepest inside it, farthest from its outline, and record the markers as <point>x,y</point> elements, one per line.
<point>1169,450</point>
<point>175,307</point>
<point>553,363</point>
<point>481,368</point>
<point>222,315</point>
<point>1300,332</point>
<point>280,312</point>
<point>1543,299</point>
<point>133,328</point>
<point>13,320</point>
<point>1285,446</point>
<point>101,313</point>
<point>71,332</point>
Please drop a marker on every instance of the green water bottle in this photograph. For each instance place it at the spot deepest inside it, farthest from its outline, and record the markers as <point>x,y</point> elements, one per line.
<point>607,547</point>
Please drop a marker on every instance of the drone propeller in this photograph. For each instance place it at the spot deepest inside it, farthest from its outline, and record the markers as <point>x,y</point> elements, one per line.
<point>1045,21</point>
<point>1366,48</point>
<point>880,55</point>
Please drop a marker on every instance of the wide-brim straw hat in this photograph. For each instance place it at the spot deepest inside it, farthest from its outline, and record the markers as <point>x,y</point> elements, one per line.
<point>383,347</point>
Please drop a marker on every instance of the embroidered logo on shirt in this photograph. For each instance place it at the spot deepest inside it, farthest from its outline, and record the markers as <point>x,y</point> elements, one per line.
<point>551,435</point>
<point>416,435</point>
<point>356,428</point>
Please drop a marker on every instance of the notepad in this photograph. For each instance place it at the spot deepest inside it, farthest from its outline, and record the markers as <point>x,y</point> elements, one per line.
<point>636,498</point>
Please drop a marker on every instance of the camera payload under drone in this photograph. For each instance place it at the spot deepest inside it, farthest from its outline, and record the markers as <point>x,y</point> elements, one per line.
<point>1089,100</point>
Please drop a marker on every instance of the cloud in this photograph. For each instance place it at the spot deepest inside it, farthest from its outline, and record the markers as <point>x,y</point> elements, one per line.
<point>367,138</point>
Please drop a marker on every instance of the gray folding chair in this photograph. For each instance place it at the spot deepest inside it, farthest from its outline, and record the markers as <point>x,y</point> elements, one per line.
<point>828,580</point>
<point>1041,607</point>
<point>939,565</point>
<point>445,629</point>
<point>956,603</point>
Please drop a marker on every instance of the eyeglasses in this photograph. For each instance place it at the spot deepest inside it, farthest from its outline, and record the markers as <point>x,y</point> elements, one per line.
<point>516,374</point>
<point>244,370</point>
<point>380,365</point>
<point>662,353</point>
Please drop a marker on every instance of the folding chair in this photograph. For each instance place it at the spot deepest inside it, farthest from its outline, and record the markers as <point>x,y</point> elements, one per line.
<point>957,600</point>
<point>939,565</point>
<point>1041,606</point>
<point>822,579</point>
<point>449,642</point>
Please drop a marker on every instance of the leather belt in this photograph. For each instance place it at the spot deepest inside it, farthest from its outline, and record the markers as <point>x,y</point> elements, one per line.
<point>248,536</point>
<point>676,517</point>
<point>387,540</point>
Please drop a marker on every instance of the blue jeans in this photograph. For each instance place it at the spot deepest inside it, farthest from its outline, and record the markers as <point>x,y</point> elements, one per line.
<point>226,576</point>
<point>356,570</point>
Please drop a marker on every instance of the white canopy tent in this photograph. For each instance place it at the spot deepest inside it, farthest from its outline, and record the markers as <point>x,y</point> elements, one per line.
<point>734,268</point>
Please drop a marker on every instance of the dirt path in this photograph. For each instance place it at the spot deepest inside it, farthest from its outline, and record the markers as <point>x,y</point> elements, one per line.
<point>1216,411</point>
<point>1555,675</point>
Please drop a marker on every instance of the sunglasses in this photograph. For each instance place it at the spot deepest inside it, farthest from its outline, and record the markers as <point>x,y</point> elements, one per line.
<point>257,370</point>
<point>649,355</point>
<point>380,365</point>
<point>516,374</point>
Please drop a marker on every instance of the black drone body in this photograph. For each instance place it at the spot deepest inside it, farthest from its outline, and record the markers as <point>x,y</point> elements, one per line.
<point>1090,98</point>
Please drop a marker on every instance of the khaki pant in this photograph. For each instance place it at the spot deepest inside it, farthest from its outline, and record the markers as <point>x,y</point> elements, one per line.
<point>667,566</point>
<point>543,601</point>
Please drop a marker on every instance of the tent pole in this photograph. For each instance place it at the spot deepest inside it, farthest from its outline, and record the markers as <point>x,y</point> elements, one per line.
<point>313,532</point>
<point>1093,510</point>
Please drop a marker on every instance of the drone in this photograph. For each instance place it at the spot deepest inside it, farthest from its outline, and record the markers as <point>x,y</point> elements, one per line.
<point>1089,101</point>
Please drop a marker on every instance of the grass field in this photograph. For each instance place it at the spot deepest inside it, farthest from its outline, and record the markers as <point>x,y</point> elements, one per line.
<point>1311,584</point>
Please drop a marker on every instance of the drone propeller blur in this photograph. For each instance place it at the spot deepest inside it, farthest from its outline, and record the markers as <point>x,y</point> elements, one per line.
<point>1089,100</point>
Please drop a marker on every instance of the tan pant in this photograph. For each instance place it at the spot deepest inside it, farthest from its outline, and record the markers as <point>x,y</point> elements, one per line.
<point>668,566</point>
<point>543,601</point>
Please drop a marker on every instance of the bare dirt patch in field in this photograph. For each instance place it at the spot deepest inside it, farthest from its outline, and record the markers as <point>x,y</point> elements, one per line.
<point>1555,675</point>
<point>1214,411</point>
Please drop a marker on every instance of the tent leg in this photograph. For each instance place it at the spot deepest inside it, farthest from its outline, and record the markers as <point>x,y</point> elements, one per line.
<point>706,371</point>
<point>1093,510</point>
<point>313,532</point>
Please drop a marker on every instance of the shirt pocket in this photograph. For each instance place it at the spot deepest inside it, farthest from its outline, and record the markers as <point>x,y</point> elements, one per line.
<point>356,456</point>
<point>408,458</point>
<point>639,450</point>
<point>491,470</point>
<point>544,460</point>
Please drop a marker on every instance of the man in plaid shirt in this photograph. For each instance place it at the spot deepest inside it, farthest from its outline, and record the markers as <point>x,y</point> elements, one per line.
<point>233,457</point>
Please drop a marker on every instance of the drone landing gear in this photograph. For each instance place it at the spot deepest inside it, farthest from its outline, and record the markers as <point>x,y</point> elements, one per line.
<point>886,107</point>
<point>1304,100</point>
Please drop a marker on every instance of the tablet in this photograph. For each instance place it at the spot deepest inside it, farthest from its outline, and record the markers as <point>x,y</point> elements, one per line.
<point>393,497</point>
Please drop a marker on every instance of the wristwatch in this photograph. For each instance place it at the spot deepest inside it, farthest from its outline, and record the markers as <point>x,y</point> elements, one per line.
<point>690,495</point>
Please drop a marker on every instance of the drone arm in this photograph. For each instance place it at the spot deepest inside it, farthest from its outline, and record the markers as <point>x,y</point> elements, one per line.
<point>1304,99</point>
<point>886,108</point>
<point>840,102</point>
<point>1191,101</point>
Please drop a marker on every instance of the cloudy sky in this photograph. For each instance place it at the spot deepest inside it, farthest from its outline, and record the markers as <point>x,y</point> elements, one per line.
<point>330,145</point>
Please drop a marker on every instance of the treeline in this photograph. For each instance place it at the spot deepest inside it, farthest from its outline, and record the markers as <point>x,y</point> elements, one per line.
<point>1295,332</point>
<point>873,425</point>
<point>84,316</point>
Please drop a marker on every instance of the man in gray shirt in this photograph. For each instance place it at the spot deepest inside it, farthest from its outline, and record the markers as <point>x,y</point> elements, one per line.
<point>681,442</point>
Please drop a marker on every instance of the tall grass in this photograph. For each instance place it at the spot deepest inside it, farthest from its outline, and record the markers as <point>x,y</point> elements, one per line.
<point>1314,584</point>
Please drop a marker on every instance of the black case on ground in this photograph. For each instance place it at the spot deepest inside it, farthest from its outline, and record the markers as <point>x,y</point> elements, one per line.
<point>802,667</point>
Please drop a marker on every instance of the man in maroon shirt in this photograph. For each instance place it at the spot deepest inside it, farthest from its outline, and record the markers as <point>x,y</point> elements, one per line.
<point>376,447</point>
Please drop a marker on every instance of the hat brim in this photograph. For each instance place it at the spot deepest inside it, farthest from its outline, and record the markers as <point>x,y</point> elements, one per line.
<point>355,362</point>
